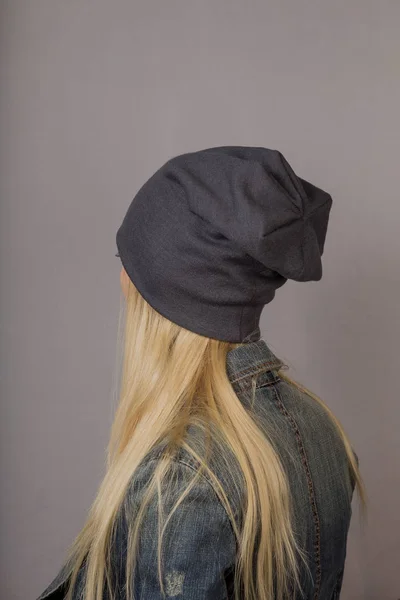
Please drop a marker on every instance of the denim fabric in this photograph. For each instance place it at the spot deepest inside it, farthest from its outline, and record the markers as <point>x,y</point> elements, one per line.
<point>199,546</point>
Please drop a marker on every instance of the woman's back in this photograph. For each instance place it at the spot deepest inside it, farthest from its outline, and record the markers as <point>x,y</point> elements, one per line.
<point>313,455</point>
<point>200,533</point>
<point>315,461</point>
<point>314,458</point>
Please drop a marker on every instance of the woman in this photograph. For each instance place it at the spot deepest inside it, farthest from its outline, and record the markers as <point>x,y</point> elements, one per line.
<point>225,478</point>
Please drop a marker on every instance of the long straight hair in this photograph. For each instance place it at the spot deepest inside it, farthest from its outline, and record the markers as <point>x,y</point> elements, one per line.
<point>171,378</point>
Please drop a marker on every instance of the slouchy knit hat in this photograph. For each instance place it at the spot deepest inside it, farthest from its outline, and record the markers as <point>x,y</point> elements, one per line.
<point>212,234</point>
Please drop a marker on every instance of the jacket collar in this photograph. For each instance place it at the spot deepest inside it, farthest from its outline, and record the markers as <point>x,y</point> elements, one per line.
<point>250,359</point>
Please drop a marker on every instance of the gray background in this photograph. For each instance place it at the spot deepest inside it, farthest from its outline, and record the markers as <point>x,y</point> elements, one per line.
<point>95,95</point>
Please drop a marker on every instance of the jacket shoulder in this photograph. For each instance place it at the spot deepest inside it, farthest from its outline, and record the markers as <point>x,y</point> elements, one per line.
<point>192,520</point>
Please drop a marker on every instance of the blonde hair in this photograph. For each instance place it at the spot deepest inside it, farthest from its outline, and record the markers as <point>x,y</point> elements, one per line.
<point>171,378</point>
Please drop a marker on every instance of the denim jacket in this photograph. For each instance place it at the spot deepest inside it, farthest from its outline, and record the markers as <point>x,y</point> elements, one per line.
<point>199,546</point>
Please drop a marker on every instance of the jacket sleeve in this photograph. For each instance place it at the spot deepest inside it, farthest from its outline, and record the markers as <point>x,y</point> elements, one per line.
<point>198,544</point>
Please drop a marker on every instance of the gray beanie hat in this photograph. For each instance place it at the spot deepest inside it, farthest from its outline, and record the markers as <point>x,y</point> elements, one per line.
<point>212,234</point>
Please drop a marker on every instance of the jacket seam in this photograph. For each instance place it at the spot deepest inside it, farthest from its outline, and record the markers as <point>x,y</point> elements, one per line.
<point>245,384</point>
<point>183,462</point>
<point>259,369</point>
<point>303,454</point>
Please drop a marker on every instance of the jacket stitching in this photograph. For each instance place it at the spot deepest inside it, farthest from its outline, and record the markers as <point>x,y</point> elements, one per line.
<point>245,385</point>
<point>252,370</point>
<point>204,476</point>
<point>317,541</point>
